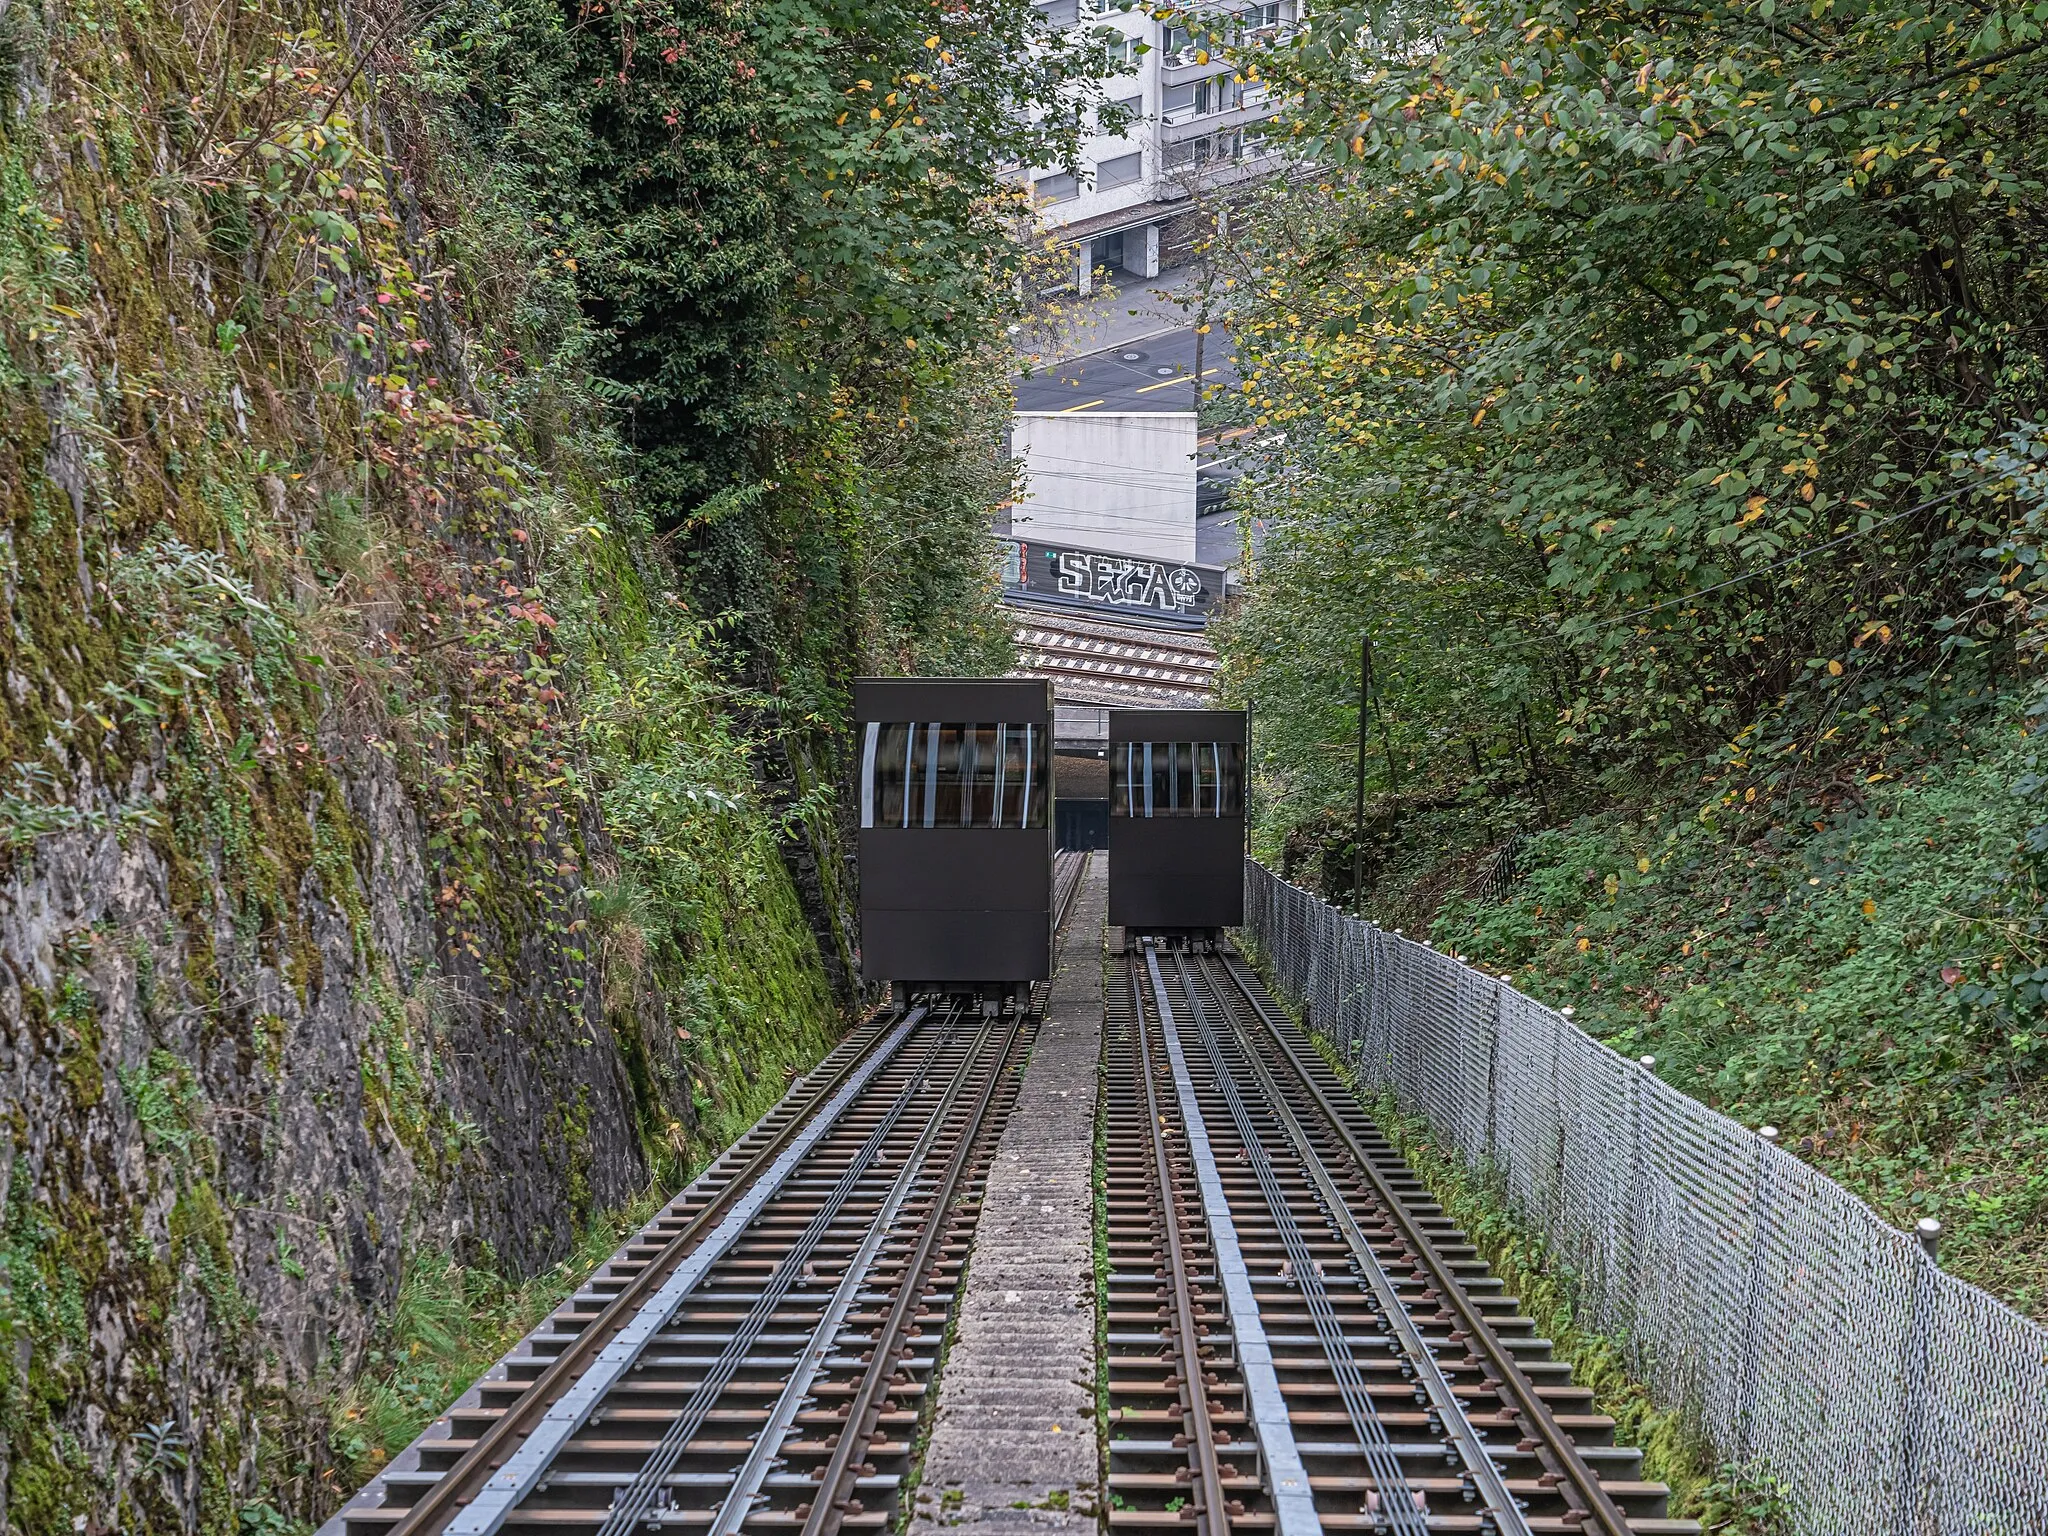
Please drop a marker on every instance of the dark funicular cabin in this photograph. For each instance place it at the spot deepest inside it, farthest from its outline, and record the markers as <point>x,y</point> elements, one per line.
<point>956,836</point>
<point>1176,822</point>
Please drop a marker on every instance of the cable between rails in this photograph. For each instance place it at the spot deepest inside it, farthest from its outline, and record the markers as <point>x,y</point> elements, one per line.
<point>1484,1476</point>
<point>834,1498</point>
<point>1393,1505</point>
<point>433,1510</point>
<point>524,1468</point>
<point>1596,1510</point>
<point>1211,1508</point>
<point>648,1492</point>
<point>1294,1508</point>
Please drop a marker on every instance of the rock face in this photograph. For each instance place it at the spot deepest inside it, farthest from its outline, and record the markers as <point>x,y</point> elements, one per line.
<point>320,941</point>
<point>224,1138</point>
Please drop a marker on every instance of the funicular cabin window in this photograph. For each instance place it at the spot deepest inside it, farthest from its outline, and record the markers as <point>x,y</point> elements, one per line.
<point>940,774</point>
<point>1176,778</point>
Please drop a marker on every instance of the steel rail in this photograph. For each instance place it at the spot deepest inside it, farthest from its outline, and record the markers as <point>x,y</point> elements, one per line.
<point>746,1485</point>
<point>438,1506</point>
<point>1391,1492</point>
<point>1067,886</point>
<point>1294,1509</point>
<point>1561,1457</point>
<point>1486,1474</point>
<point>528,1466</point>
<point>1212,1509</point>
<point>633,1501</point>
<point>834,1498</point>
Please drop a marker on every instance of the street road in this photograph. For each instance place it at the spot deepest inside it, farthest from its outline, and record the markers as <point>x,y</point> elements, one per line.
<point>1153,375</point>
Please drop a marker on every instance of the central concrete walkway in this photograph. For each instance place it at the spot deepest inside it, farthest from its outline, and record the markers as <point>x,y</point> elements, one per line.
<point>1013,1442</point>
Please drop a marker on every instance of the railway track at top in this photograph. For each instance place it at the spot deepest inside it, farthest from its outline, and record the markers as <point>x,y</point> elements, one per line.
<point>1298,1339</point>
<point>758,1356</point>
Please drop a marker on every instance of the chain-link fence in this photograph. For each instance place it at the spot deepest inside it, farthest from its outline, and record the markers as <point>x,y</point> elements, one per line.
<point>1804,1336</point>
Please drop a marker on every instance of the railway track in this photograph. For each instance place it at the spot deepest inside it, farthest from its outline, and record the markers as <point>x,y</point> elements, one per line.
<point>1298,1339</point>
<point>760,1355</point>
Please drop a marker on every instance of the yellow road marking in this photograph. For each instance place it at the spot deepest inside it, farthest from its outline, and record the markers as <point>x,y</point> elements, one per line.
<point>1084,405</point>
<point>1183,379</point>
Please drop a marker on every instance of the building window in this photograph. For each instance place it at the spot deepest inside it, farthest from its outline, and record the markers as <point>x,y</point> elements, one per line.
<point>939,774</point>
<point>1120,172</point>
<point>1125,113</point>
<point>1198,98</point>
<point>1176,778</point>
<point>1060,13</point>
<point>1059,187</point>
<point>1209,149</point>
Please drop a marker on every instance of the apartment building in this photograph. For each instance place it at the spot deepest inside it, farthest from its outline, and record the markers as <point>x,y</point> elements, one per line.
<point>1192,126</point>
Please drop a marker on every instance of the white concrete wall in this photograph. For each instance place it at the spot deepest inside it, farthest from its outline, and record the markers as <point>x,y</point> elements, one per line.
<point>1142,81</point>
<point>1118,481</point>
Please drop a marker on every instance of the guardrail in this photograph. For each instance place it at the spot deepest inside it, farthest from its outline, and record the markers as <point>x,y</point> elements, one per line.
<point>1809,1341</point>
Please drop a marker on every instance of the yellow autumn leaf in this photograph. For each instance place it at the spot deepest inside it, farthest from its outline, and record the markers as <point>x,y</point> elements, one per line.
<point>931,42</point>
<point>1643,865</point>
<point>1834,669</point>
<point>1869,908</point>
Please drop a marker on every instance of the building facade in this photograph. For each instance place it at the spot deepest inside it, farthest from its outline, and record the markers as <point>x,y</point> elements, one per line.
<point>1184,124</point>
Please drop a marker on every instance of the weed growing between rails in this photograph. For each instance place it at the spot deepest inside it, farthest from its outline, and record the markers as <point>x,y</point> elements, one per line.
<point>1727,1500</point>
<point>450,1322</point>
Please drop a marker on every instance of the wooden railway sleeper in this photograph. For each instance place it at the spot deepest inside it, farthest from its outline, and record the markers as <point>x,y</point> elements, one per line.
<point>834,1500</point>
<point>1206,1476</point>
<point>1594,1506</point>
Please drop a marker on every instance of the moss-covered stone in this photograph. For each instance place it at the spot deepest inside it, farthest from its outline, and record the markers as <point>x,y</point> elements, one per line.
<point>319,942</point>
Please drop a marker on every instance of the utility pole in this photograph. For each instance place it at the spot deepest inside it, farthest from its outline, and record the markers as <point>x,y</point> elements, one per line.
<point>1358,833</point>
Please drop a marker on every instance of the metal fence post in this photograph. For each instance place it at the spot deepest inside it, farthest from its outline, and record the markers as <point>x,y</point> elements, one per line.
<point>1767,1138</point>
<point>1912,1448</point>
<point>1500,1007</point>
<point>1636,1280</point>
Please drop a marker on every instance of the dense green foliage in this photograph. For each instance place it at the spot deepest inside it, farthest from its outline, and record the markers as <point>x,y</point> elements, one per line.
<point>1868,980</point>
<point>1625,308</point>
<point>783,222</point>
<point>1657,388</point>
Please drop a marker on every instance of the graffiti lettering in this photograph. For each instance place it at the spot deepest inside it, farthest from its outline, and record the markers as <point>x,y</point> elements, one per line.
<point>1122,581</point>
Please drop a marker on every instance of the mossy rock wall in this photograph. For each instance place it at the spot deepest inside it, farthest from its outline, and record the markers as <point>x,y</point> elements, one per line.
<point>312,948</point>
